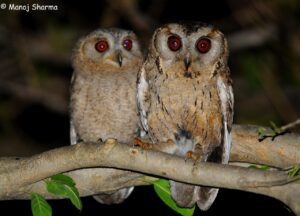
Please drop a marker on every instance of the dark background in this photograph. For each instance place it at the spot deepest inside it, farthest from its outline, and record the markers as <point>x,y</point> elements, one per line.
<point>35,72</point>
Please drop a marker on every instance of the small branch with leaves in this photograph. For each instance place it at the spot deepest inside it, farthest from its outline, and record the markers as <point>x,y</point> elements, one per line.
<point>276,131</point>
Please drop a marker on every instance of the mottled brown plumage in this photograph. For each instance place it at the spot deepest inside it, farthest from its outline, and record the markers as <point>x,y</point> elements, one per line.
<point>185,95</point>
<point>103,89</point>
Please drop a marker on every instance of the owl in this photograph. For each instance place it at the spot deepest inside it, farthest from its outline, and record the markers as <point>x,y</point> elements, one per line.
<point>184,94</point>
<point>103,92</point>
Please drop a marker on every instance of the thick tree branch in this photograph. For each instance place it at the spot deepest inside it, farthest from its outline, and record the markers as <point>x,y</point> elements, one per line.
<point>97,180</point>
<point>111,154</point>
<point>120,156</point>
<point>283,151</point>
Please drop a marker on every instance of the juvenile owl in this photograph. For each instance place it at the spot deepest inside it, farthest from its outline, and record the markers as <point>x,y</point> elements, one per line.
<point>185,95</point>
<point>103,92</point>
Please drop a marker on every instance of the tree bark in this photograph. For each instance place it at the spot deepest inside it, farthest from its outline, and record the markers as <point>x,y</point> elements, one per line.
<point>283,151</point>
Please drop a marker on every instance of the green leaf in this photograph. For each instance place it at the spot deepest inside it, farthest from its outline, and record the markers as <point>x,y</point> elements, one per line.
<point>57,188</point>
<point>275,128</point>
<point>73,195</point>
<point>263,167</point>
<point>294,171</point>
<point>253,167</point>
<point>261,132</point>
<point>65,190</point>
<point>39,206</point>
<point>162,189</point>
<point>64,179</point>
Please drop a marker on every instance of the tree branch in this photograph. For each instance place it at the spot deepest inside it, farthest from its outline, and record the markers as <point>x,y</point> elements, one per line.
<point>290,125</point>
<point>111,154</point>
<point>283,151</point>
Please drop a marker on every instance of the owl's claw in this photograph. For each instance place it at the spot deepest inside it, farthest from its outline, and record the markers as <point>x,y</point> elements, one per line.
<point>110,141</point>
<point>140,143</point>
<point>193,156</point>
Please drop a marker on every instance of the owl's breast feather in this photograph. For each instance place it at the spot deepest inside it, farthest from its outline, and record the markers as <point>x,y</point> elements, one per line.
<point>186,114</point>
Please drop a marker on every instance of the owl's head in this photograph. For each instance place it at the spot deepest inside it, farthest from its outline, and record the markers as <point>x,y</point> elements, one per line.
<point>189,50</point>
<point>107,50</point>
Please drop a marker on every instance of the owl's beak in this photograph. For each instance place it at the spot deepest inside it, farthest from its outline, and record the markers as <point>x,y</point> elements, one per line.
<point>187,61</point>
<point>119,58</point>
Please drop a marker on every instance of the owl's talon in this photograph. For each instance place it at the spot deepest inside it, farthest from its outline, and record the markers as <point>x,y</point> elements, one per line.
<point>140,143</point>
<point>191,155</point>
<point>137,141</point>
<point>110,141</point>
<point>169,141</point>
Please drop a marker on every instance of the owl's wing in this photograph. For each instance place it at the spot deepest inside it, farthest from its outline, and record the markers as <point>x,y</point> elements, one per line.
<point>207,195</point>
<point>143,101</point>
<point>73,134</point>
<point>114,197</point>
<point>227,100</point>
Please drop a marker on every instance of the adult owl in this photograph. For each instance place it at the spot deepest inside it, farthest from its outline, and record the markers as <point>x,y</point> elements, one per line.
<point>185,95</point>
<point>103,92</point>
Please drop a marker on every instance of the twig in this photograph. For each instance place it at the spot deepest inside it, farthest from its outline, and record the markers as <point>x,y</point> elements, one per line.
<point>276,131</point>
<point>290,125</point>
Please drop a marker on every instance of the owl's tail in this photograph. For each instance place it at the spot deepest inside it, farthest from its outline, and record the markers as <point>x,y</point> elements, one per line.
<point>186,195</point>
<point>206,197</point>
<point>115,197</point>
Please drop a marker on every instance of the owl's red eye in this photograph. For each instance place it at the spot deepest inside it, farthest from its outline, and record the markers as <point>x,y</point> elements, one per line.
<point>203,45</point>
<point>127,44</point>
<point>174,43</point>
<point>101,46</point>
